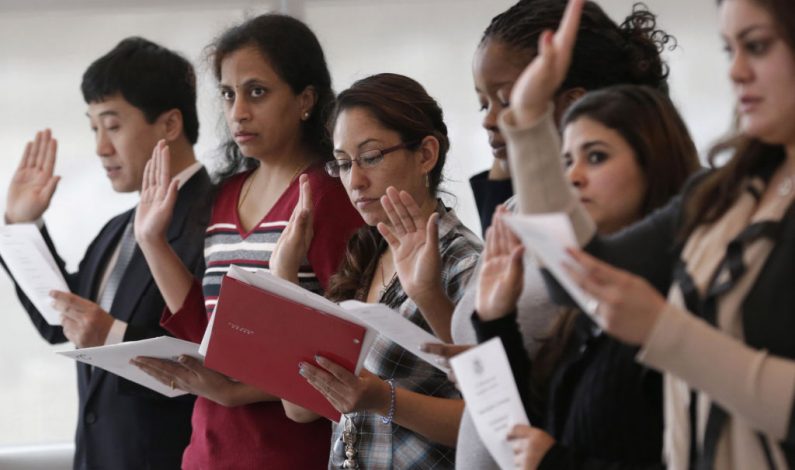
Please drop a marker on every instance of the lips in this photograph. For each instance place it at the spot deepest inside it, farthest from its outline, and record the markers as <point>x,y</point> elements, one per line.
<point>244,137</point>
<point>365,202</point>
<point>748,103</point>
<point>112,171</point>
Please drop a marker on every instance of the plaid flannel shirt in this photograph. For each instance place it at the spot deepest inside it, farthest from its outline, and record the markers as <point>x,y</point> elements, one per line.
<point>387,446</point>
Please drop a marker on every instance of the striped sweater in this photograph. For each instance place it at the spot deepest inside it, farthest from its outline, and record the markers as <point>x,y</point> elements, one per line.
<point>259,435</point>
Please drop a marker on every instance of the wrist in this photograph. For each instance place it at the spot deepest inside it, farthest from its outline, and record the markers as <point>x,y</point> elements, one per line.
<point>388,413</point>
<point>527,116</point>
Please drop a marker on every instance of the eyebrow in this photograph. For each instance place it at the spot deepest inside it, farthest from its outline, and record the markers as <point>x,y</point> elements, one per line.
<point>593,143</point>
<point>250,81</point>
<point>361,144</point>
<point>745,32</point>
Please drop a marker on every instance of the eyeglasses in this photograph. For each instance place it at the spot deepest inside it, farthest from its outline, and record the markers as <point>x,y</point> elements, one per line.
<point>367,160</point>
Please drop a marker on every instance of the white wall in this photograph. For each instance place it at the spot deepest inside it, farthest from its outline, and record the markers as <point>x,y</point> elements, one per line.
<point>44,49</point>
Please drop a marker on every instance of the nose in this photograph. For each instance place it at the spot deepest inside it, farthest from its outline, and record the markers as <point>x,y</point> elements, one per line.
<point>104,145</point>
<point>739,69</point>
<point>240,110</point>
<point>577,174</point>
<point>490,118</point>
<point>356,178</point>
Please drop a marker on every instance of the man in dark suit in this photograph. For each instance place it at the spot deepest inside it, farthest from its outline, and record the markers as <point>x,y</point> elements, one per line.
<point>137,94</point>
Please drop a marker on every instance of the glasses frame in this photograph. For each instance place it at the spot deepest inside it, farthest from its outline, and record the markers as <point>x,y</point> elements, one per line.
<point>333,169</point>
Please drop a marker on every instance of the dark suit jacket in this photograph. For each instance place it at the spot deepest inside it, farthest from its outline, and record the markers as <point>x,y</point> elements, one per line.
<point>122,425</point>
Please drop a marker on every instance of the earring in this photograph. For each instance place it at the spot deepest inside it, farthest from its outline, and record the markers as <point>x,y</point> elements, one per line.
<point>427,180</point>
<point>306,115</point>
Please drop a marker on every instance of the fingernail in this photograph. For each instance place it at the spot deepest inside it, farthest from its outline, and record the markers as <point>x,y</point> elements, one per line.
<point>318,359</point>
<point>182,359</point>
<point>424,347</point>
<point>302,371</point>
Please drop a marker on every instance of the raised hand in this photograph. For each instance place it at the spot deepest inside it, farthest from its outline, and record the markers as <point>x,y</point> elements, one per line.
<point>500,280</point>
<point>293,243</point>
<point>536,86</point>
<point>158,196</point>
<point>33,184</point>
<point>84,323</point>
<point>628,306</point>
<point>414,242</point>
<point>530,445</point>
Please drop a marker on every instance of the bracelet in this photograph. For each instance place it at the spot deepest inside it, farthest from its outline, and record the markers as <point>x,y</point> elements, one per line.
<point>391,413</point>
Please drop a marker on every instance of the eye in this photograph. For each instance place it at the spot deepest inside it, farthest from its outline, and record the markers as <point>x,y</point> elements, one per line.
<point>567,160</point>
<point>370,159</point>
<point>596,157</point>
<point>344,165</point>
<point>227,94</point>
<point>483,106</point>
<point>757,47</point>
<point>257,92</point>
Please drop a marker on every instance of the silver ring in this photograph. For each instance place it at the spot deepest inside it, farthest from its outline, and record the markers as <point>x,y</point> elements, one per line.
<point>592,307</point>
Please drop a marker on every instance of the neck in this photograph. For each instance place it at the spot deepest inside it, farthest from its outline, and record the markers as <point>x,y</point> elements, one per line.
<point>284,165</point>
<point>790,149</point>
<point>182,156</point>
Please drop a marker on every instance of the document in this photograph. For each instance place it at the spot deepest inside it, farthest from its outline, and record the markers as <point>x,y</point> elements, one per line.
<point>396,327</point>
<point>26,255</point>
<point>115,359</point>
<point>547,236</point>
<point>487,384</point>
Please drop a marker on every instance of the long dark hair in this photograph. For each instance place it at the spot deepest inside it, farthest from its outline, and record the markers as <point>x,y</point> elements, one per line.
<point>652,127</point>
<point>664,150</point>
<point>402,105</point>
<point>605,53</point>
<point>292,49</point>
<point>717,191</point>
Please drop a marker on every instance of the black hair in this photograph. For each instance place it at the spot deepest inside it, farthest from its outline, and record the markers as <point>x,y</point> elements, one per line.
<point>294,52</point>
<point>605,53</point>
<point>148,76</point>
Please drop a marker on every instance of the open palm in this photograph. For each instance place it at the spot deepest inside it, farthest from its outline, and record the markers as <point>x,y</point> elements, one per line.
<point>33,183</point>
<point>414,241</point>
<point>500,280</point>
<point>158,196</point>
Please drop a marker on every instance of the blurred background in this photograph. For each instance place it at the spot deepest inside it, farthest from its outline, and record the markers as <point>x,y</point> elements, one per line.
<point>45,45</point>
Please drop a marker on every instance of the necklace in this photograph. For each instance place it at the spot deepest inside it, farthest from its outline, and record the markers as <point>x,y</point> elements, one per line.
<point>250,182</point>
<point>383,280</point>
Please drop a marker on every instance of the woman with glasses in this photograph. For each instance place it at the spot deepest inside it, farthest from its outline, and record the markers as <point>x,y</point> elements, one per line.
<point>274,84</point>
<point>414,255</point>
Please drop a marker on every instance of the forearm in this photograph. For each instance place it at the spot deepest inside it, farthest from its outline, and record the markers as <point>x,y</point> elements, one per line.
<point>299,414</point>
<point>746,381</point>
<point>435,418</point>
<point>239,394</point>
<point>537,171</point>
<point>437,309</point>
<point>169,272</point>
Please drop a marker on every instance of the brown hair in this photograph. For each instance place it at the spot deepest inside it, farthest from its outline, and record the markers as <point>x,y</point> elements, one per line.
<point>651,125</point>
<point>400,104</point>
<point>750,156</point>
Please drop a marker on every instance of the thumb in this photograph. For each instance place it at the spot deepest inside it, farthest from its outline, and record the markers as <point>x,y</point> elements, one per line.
<point>432,231</point>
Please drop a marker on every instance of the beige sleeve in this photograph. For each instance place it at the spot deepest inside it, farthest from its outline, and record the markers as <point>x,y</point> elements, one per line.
<point>747,382</point>
<point>537,172</point>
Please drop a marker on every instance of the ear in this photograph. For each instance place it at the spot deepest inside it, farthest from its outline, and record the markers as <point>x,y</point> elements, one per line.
<point>307,100</point>
<point>429,153</point>
<point>171,122</point>
<point>566,98</point>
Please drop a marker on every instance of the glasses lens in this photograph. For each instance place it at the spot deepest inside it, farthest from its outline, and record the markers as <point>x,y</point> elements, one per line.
<point>333,169</point>
<point>370,159</point>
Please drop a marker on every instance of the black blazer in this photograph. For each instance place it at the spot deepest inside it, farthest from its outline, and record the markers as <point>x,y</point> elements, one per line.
<point>122,425</point>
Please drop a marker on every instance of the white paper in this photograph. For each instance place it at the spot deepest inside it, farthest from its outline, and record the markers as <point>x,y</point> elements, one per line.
<point>396,327</point>
<point>26,255</point>
<point>547,236</point>
<point>492,399</point>
<point>116,359</point>
<point>288,290</point>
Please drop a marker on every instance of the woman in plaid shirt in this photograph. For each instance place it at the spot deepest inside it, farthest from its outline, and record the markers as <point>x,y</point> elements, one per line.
<point>414,255</point>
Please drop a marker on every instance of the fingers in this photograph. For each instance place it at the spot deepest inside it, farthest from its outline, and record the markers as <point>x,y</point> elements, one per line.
<point>567,32</point>
<point>411,207</point>
<point>432,231</point>
<point>305,195</point>
<point>164,165</point>
<point>48,163</point>
<point>67,304</point>
<point>340,373</point>
<point>35,149</point>
<point>389,236</point>
<point>519,431</point>
<point>396,211</point>
<point>444,350</point>
<point>164,371</point>
<point>322,381</point>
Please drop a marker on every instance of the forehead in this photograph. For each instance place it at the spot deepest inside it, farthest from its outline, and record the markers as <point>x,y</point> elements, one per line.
<point>357,125</point>
<point>244,64</point>
<point>736,16</point>
<point>115,106</point>
<point>497,63</point>
<point>584,130</point>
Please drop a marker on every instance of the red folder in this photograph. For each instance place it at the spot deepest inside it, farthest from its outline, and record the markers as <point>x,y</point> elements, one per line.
<point>259,338</point>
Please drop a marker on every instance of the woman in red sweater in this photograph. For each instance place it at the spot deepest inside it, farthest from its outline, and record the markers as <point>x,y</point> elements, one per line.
<point>274,84</point>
